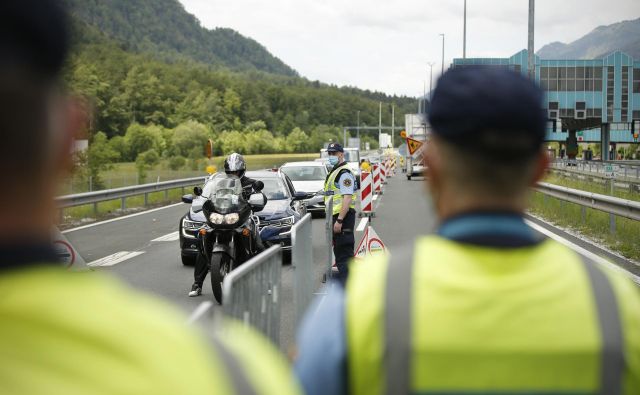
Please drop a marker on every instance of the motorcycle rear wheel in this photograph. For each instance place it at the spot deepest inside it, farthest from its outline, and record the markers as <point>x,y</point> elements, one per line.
<point>219,269</point>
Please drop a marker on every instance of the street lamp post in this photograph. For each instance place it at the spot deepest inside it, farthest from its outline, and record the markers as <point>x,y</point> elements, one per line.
<point>464,32</point>
<point>442,70</point>
<point>532,67</point>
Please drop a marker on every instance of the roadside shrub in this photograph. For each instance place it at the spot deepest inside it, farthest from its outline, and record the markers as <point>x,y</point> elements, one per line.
<point>177,162</point>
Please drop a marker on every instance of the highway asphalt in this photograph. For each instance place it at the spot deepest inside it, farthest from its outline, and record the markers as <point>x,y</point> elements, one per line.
<point>142,249</point>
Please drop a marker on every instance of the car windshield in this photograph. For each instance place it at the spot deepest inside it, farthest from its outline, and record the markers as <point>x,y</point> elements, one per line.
<point>274,188</point>
<point>305,173</point>
<point>225,192</point>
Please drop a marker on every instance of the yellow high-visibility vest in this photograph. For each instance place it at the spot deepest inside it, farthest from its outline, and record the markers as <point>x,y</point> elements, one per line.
<point>452,318</point>
<point>333,192</point>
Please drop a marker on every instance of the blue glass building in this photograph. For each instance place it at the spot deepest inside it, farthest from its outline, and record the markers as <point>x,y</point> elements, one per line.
<point>594,100</point>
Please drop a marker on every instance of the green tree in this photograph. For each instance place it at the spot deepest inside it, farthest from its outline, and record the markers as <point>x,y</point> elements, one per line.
<point>145,161</point>
<point>100,157</point>
<point>297,141</point>
<point>141,138</point>
<point>189,135</point>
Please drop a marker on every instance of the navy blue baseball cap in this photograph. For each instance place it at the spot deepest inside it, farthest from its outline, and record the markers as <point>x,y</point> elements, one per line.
<point>491,110</point>
<point>335,147</point>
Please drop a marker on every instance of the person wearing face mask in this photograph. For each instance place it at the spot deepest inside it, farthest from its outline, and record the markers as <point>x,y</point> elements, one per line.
<point>485,306</point>
<point>340,186</point>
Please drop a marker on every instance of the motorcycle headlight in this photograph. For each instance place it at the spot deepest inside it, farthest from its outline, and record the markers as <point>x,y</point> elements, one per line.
<point>231,219</point>
<point>216,218</point>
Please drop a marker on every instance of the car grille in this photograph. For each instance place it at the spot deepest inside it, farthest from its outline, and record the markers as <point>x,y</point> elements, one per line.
<point>279,223</point>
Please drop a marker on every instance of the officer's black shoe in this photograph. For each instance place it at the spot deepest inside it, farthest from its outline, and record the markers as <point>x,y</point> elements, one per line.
<point>196,290</point>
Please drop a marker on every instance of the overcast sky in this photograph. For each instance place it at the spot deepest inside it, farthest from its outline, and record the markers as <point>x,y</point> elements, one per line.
<point>385,45</point>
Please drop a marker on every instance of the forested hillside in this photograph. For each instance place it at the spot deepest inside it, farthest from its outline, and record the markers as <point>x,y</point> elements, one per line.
<point>165,29</point>
<point>147,105</point>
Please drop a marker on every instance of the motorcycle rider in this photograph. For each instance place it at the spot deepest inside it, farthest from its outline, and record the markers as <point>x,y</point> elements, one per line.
<point>234,165</point>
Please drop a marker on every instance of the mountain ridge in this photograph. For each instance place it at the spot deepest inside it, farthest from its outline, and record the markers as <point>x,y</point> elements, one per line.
<point>620,36</point>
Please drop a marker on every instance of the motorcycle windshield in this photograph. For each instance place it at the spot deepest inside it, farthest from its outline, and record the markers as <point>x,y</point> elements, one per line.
<point>225,192</point>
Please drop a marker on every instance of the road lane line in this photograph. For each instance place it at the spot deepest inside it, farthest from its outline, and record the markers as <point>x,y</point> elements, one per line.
<point>173,236</point>
<point>120,218</point>
<point>581,250</point>
<point>362,224</point>
<point>114,259</point>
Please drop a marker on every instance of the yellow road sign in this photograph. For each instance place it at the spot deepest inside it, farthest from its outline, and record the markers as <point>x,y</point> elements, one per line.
<point>403,134</point>
<point>413,145</point>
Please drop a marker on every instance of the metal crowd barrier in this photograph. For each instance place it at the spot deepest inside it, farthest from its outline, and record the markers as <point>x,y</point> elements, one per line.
<point>251,293</point>
<point>329,234</point>
<point>302,263</point>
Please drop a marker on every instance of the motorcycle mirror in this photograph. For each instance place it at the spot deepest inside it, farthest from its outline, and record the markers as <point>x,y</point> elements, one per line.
<point>257,201</point>
<point>258,186</point>
<point>197,191</point>
<point>187,198</point>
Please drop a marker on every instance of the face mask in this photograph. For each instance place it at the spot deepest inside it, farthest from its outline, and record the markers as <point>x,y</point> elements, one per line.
<point>333,160</point>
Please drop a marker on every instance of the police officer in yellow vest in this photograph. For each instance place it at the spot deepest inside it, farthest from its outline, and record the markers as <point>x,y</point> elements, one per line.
<point>74,333</point>
<point>340,186</point>
<point>485,306</point>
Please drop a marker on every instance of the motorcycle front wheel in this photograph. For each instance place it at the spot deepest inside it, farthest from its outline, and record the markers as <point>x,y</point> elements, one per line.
<point>219,269</point>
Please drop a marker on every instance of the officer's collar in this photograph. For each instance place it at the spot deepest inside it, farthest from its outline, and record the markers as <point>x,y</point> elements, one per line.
<point>15,256</point>
<point>489,228</point>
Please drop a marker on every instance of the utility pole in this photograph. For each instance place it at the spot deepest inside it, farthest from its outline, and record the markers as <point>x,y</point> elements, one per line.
<point>464,32</point>
<point>442,70</point>
<point>393,123</point>
<point>379,124</point>
<point>430,64</point>
<point>532,66</point>
<point>358,129</point>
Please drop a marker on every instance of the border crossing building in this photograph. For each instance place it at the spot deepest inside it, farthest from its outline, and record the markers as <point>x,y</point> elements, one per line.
<point>592,100</point>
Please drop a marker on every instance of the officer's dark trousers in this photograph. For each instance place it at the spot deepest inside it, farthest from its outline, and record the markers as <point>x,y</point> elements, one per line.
<point>343,244</point>
<point>200,270</point>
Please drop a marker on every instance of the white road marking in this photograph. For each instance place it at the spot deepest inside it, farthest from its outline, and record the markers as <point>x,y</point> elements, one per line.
<point>582,251</point>
<point>114,259</point>
<point>173,236</point>
<point>120,218</point>
<point>362,224</point>
<point>375,197</point>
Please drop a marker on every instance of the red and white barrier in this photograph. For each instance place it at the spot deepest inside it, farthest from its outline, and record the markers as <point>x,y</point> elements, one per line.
<point>383,172</point>
<point>377,185</point>
<point>366,193</point>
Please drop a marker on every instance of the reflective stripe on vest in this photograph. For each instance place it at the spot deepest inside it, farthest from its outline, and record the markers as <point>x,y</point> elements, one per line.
<point>330,186</point>
<point>386,334</point>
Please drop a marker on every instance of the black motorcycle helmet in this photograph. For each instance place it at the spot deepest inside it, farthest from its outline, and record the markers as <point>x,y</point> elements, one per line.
<point>235,165</point>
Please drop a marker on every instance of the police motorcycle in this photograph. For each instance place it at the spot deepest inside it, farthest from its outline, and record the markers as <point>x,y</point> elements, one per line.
<point>229,236</point>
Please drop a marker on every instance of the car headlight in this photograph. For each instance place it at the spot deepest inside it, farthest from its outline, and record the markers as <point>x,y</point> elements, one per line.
<point>231,219</point>
<point>190,225</point>
<point>287,221</point>
<point>216,218</point>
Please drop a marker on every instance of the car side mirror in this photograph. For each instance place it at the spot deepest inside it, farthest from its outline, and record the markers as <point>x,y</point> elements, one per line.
<point>187,198</point>
<point>300,196</point>
<point>197,191</point>
<point>257,201</point>
<point>258,186</point>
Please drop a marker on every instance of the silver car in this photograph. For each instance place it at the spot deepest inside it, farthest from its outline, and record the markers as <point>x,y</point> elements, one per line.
<point>308,177</point>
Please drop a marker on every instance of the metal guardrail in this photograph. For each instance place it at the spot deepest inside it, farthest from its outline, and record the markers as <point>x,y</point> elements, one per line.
<point>95,197</point>
<point>302,263</point>
<point>251,293</point>
<point>609,204</point>
<point>619,168</point>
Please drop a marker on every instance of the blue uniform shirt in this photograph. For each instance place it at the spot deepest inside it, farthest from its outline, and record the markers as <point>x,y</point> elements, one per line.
<point>322,363</point>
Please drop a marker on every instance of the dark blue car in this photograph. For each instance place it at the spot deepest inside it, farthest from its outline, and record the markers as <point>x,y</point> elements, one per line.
<point>284,208</point>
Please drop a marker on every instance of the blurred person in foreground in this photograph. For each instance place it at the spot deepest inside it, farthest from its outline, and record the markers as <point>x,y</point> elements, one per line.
<point>84,333</point>
<point>484,306</point>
